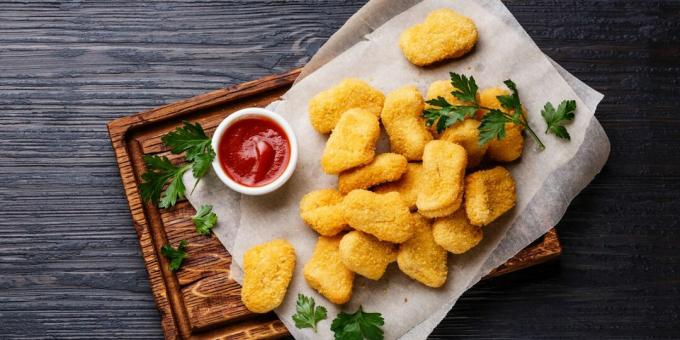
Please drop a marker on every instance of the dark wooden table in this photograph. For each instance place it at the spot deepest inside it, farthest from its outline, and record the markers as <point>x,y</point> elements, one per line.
<point>69,260</point>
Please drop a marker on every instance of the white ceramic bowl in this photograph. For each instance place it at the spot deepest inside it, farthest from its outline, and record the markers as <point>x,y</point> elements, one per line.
<point>276,183</point>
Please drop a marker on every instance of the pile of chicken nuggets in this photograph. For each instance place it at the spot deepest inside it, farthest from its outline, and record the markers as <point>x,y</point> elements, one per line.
<point>431,195</point>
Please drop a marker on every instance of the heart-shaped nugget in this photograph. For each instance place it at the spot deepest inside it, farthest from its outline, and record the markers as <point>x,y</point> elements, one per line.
<point>444,34</point>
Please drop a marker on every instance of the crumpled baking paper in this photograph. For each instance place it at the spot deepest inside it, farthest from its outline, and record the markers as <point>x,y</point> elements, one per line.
<point>366,47</point>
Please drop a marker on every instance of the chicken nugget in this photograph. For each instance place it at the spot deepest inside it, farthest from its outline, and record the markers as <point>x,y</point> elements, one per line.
<point>322,211</point>
<point>267,271</point>
<point>445,34</point>
<point>444,211</point>
<point>455,233</point>
<point>366,255</point>
<point>443,173</point>
<point>386,167</point>
<point>326,107</point>
<point>326,274</point>
<point>511,146</point>
<point>384,216</point>
<point>421,258</point>
<point>407,186</point>
<point>352,142</point>
<point>466,134</point>
<point>488,195</point>
<point>404,124</point>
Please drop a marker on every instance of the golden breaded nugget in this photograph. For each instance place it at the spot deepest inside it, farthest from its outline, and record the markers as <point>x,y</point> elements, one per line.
<point>322,211</point>
<point>466,134</point>
<point>366,255</point>
<point>421,258</point>
<point>455,233</point>
<point>352,142</point>
<point>326,273</point>
<point>509,148</point>
<point>402,118</point>
<point>386,167</point>
<point>444,211</point>
<point>326,107</point>
<point>384,216</point>
<point>489,98</point>
<point>407,186</point>
<point>488,195</point>
<point>443,172</point>
<point>444,34</point>
<point>443,88</point>
<point>267,271</point>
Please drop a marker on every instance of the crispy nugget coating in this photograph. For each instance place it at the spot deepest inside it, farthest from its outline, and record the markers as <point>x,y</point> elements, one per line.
<point>442,88</point>
<point>466,134</point>
<point>384,216</point>
<point>326,274</point>
<point>444,211</point>
<point>386,167</point>
<point>488,195</point>
<point>407,186</point>
<point>444,34</point>
<point>352,142</point>
<point>421,258</point>
<point>455,233</point>
<point>443,172</point>
<point>326,107</point>
<point>509,148</point>
<point>322,211</point>
<point>404,124</point>
<point>366,255</point>
<point>267,271</point>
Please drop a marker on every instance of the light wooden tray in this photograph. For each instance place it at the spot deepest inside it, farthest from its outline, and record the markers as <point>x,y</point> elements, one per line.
<point>200,301</point>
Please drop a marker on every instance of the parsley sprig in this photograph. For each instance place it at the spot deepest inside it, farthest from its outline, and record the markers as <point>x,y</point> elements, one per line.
<point>189,138</point>
<point>204,220</point>
<point>175,255</point>
<point>445,114</point>
<point>308,314</point>
<point>555,119</point>
<point>358,326</point>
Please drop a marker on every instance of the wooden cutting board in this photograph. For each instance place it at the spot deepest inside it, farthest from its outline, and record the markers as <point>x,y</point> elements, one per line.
<point>201,301</point>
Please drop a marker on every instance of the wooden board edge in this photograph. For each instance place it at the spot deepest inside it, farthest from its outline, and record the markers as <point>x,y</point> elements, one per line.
<point>118,127</point>
<point>149,255</point>
<point>549,249</point>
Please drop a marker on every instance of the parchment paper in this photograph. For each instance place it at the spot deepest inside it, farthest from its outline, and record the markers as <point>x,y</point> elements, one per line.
<point>366,47</point>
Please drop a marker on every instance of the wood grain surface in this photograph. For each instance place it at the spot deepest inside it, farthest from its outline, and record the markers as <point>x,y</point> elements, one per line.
<point>70,265</point>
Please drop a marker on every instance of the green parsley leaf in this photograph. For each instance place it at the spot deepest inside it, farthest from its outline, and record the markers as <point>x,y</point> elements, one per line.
<point>493,126</point>
<point>358,326</point>
<point>189,138</point>
<point>447,114</point>
<point>465,88</point>
<point>175,256</point>
<point>201,163</point>
<point>512,101</point>
<point>159,170</point>
<point>204,219</point>
<point>308,315</point>
<point>193,140</point>
<point>556,118</point>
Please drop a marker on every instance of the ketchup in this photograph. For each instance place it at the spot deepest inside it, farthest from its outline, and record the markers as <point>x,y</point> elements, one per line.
<point>254,151</point>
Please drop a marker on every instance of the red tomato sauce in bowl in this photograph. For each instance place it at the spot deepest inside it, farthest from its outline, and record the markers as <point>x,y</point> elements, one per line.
<point>254,151</point>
